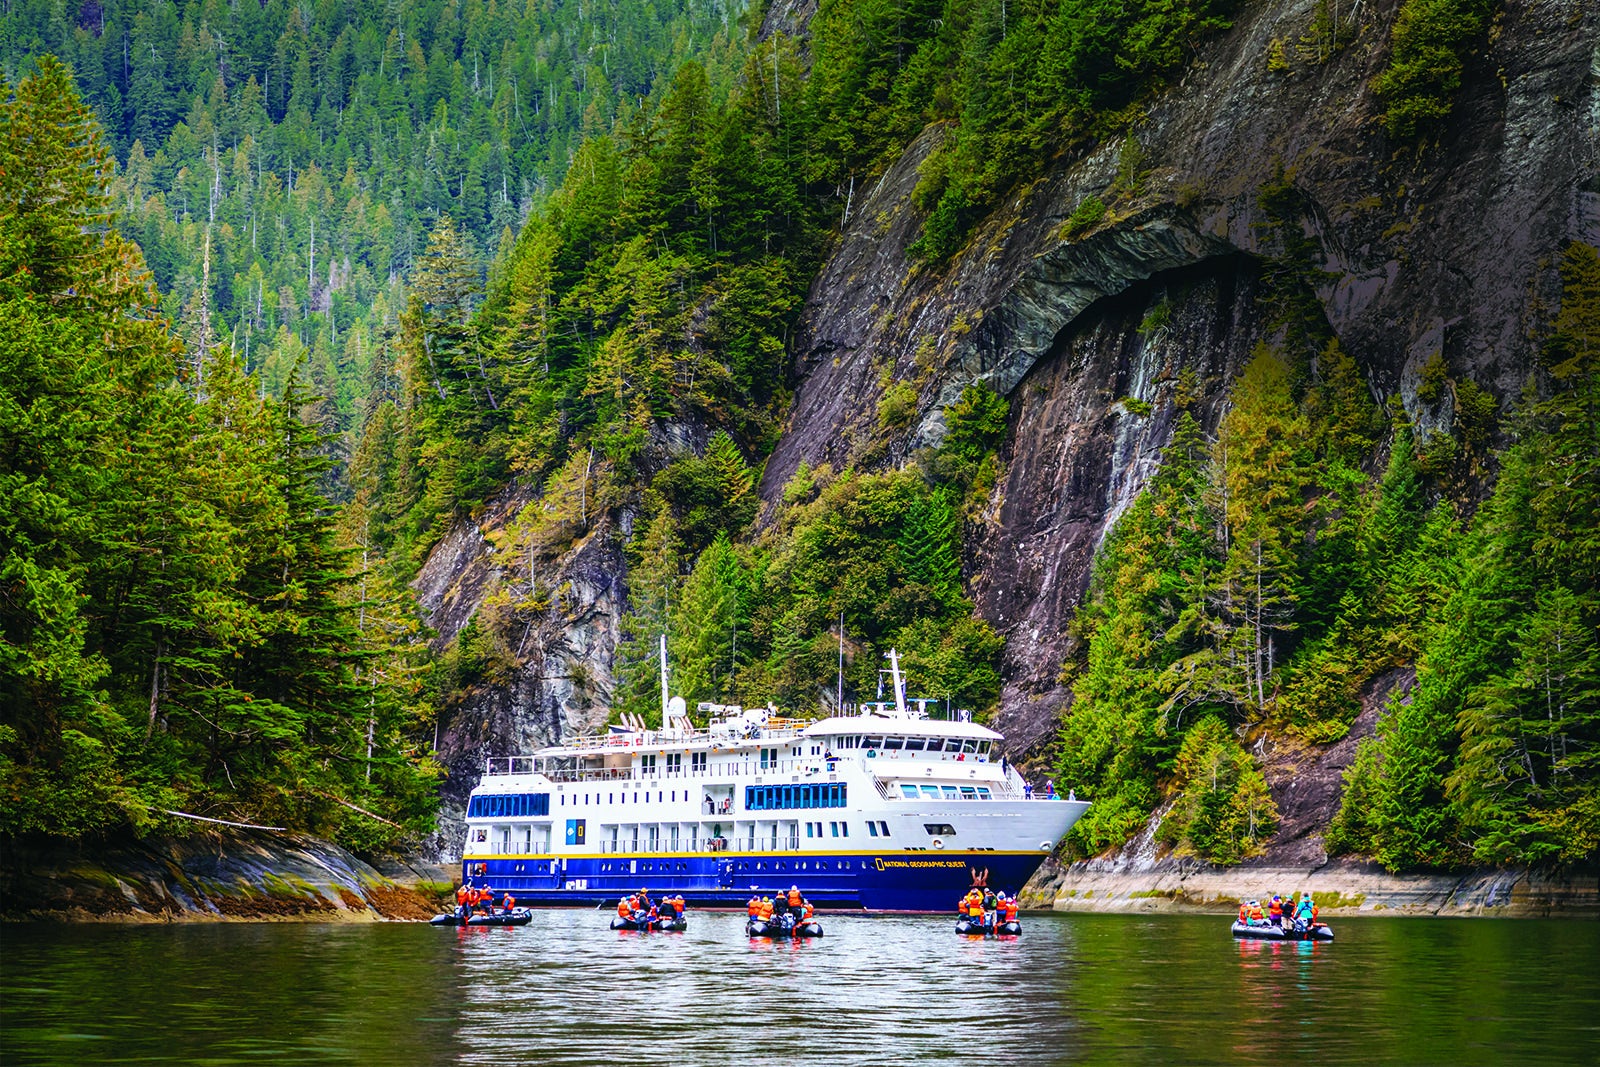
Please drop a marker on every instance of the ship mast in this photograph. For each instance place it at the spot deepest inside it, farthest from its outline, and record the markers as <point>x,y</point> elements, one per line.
<point>663,680</point>
<point>899,682</point>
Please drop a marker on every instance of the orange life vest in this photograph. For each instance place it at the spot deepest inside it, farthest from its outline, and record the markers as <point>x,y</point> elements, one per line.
<point>1255,912</point>
<point>1244,912</point>
<point>808,909</point>
<point>461,894</point>
<point>509,902</point>
<point>794,898</point>
<point>1276,909</point>
<point>754,907</point>
<point>1011,911</point>
<point>765,912</point>
<point>624,908</point>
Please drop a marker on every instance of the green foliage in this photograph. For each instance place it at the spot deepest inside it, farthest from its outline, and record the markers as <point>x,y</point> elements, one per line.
<point>1224,811</point>
<point>1429,46</point>
<point>1015,82</point>
<point>897,405</point>
<point>315,146</point>
<point>1085,217</point>
<point>1492,758</point>
<point>186,627</point>
<point>1131,171</point>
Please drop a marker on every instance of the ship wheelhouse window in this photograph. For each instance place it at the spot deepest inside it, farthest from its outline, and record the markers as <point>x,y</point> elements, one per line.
<point>872,829</point>
<point>914,744</point>
<point>931,792</point>
<point>892,744</point>
<point>883,828</point>
<point>937,829</point>
<point>983,793</point>
<point>872,742</point>
<point>950,792</point>
<point>907,790</point>
<point>968,793</point>
<point>936,744</point>
<point>509,806</point>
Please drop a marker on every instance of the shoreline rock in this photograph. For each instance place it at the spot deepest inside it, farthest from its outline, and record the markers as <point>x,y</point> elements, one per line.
<point>234,876</point>
<point>1341,887</point>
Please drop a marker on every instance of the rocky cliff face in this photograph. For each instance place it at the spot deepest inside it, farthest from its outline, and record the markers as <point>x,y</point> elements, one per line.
<point>1447,251</point>
<point>554,633</point>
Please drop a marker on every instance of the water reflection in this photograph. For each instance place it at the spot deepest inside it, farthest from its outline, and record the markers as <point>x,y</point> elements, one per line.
<point>1101,989</point>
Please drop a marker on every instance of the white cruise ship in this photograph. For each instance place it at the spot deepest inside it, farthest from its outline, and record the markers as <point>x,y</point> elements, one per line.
<point>886,810</point>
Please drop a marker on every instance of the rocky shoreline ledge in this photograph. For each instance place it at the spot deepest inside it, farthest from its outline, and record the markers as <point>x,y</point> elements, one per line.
<point>1341,887</point>
<point>218,876</point>
<point>254,876</point>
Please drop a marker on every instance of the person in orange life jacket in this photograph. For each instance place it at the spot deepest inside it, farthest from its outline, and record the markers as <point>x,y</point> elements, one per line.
<point>625,907</point>
<point>753,905</point>
<point>764,913</point>
<point>507,901</point>
<point>1275,910</point>
<point>794,896</point>
<point>1011,909</point>
<point>677,905</point>
<point>1255,917</point>
<point>645,903</point>
<point>810,911</point>
<point>1244,911</point>
<point>462,908</point>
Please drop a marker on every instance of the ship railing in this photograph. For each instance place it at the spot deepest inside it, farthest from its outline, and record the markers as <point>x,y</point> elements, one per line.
<point>814,767</point>
<point>624,741</point>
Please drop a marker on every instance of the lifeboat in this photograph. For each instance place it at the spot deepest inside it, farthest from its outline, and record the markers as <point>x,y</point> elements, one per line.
<point>1294,932</point>
<point>514,917</point>
<point>641,920</point>
<point>782,926</point>
<point>971,928</point>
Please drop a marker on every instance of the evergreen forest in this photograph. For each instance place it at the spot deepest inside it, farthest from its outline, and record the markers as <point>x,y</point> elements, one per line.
<point>291,290</point>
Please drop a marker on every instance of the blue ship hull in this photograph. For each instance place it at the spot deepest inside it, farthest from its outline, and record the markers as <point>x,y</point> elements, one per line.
<point>899,881</point>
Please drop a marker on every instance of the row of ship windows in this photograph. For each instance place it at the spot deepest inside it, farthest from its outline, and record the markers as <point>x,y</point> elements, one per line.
<point>945,792</point>
<point>967,746</point>
<point>756,798</point>
<point>774,797</point>
<point>611,798</point>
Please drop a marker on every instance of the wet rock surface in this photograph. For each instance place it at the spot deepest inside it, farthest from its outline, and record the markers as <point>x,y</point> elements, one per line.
<point>555,633</point>
<point>238,874</point>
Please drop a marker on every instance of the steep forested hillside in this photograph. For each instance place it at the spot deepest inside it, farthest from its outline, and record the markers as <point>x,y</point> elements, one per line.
<point>1130,367</point>
<point>181,626</point>
<point>281,164</point>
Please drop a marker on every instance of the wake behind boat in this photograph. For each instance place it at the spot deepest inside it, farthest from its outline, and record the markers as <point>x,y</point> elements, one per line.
<point>884,809</point>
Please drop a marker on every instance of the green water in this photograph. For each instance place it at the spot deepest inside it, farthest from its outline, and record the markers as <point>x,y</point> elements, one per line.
<point>1074,989</point>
